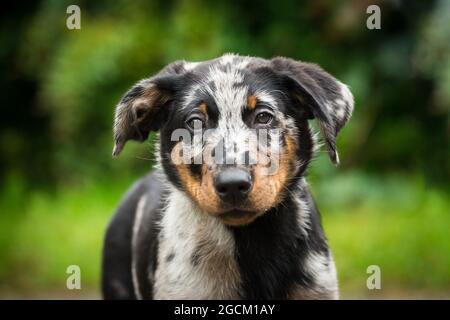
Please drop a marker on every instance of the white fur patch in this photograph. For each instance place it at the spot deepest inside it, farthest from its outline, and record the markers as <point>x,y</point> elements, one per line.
<point>185,229</point>
<point>347,96</point>
<point>140,209</point>
<point>345,105</point>
<point>266,98</point>
<point>190,65</point>
<point>303,216</point>
<point>324,271</point>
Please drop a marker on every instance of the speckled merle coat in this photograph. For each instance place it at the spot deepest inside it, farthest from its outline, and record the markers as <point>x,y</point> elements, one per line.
<point>178,234</point>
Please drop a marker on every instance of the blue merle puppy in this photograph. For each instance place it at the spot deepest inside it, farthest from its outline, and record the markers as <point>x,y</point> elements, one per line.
<point>219,222</point>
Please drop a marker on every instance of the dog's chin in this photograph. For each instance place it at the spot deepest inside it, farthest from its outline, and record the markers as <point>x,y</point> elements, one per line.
<point>238,218</point>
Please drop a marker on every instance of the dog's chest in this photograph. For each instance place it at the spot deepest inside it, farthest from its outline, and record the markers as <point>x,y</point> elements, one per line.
<point>196,255</point>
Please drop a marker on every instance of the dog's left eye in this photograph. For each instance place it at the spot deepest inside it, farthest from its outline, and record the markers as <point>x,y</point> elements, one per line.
<point>195,122</point>
<point>263,118</point>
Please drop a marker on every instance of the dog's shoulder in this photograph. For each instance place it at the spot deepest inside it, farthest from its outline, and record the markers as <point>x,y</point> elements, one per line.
<point>145,230</point>
<point>128,235</point>
<point>148,189</point>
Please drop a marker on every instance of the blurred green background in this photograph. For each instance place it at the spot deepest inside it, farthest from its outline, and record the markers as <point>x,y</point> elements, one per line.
<point>387,204</point>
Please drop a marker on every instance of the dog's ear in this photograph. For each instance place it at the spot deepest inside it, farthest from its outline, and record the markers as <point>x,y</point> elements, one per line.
<point>139,110</point>
<point>328,100</point>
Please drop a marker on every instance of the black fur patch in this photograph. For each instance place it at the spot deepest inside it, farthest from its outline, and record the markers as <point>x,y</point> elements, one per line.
<point>272,250</point>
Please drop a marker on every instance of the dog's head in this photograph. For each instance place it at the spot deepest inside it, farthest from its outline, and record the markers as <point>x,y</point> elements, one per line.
<point>234,131</point>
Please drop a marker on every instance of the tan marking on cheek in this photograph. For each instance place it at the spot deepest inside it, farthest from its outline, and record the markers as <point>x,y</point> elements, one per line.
<point>200,190</point>
<point>268,190</point>
<point>286,166</point>
<point>207,197</point>
<point>190,183</point>
<point>251,102</point>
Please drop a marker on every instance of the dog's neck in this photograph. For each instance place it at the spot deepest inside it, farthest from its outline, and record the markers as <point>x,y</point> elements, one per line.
<point>275,246</point>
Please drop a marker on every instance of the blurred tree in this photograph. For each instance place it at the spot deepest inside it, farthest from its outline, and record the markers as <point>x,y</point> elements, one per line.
<point>61,85</point>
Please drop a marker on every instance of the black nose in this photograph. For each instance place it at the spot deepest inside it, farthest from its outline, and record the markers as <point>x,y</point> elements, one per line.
<point>233,185</point>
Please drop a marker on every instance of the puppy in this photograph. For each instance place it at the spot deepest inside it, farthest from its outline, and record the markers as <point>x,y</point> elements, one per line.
<point>227,212</point>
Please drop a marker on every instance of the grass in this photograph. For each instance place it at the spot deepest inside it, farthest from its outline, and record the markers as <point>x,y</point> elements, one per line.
<point>396,223</point>
<point>410,246</point>
<point>399,224</point>
<point>52,231</point>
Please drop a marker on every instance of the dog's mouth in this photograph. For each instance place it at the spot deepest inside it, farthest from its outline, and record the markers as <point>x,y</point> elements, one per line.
<point>238,217</point>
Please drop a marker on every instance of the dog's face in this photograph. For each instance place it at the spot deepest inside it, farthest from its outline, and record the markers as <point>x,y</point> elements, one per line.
<point>234,131</point>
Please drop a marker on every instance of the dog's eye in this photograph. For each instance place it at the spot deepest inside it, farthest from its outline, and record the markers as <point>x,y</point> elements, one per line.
<point>263,118</point>
<point>195,122</point>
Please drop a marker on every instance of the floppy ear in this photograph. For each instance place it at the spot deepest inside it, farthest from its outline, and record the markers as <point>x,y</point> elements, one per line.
<point>138,112</point>
<point>330,101</point>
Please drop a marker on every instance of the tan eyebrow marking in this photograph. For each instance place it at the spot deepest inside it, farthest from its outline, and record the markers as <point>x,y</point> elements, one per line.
<point>251,102</point>
<point>203,107</point>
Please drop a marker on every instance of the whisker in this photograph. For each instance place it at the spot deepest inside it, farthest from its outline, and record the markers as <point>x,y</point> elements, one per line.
<point>142,158</point>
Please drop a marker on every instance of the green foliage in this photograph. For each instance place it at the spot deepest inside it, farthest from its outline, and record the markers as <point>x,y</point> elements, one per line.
<point>387,204</point>
<point>399,75</point>
<point>396,223</point>
<point>51,231</point>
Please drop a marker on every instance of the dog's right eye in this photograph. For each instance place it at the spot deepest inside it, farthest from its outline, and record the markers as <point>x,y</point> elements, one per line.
<point>195,122</point>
